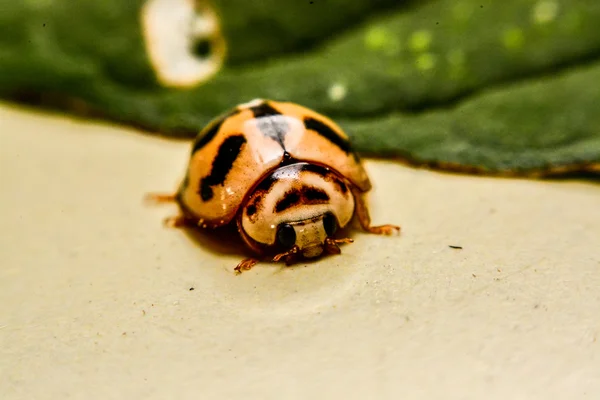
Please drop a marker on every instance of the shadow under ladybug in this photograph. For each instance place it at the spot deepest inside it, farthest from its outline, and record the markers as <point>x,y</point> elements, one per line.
<point>284,175</point>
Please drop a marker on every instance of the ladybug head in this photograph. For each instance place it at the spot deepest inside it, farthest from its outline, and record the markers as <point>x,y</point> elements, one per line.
<point>308,236</point>
<point>299,211</point>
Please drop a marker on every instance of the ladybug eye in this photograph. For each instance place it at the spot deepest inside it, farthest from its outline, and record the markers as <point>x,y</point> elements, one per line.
<point>286,236</point>
<point>330,224</point>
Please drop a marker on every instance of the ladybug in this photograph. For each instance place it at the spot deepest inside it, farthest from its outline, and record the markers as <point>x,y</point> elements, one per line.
<point>284,174</point>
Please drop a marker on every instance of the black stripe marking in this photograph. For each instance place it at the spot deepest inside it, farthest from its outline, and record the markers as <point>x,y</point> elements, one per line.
<point>317,169</point>
<point>289,200</point>
<point>266,183</point>
<point>210,131</point>
<point>328,133</point>
<point>326,173</point>
<point>306,195</point>
<point>251,210</point>
<point>313,194</point>
<point>222,164</point>
<point>341,185</point>
<point>271,122</point>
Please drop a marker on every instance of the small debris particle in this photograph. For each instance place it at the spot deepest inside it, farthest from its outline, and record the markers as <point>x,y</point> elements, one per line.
<point>498,269</point>
<point>124,334</point>
<point>536,306</point>
<point>143,312</point>
<point>474,276</point>
<point>191,289</point>
<point>455,247</point>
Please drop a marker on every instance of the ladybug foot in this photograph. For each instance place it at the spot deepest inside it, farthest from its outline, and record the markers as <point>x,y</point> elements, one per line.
<point>245,265</point>
<point>177,221</point>
<point>289,256</point>
<point>159,198</point>
<point>331,245</point>
<point>383,229</point>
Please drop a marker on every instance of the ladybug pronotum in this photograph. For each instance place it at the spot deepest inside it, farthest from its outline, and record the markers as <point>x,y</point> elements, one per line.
<point>284,174</point>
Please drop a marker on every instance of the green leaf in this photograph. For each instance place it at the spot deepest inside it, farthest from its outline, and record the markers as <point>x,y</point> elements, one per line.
<point>481,86</point>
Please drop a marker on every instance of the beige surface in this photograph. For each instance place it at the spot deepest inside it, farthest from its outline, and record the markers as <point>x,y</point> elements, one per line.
<point>95,300</point>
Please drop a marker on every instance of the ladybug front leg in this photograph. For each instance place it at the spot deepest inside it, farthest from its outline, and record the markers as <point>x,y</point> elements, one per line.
<point>245,265</point>
<point>362,212</point>
<point>331,245</point>
<point>289,256</point>
<point>160,198</point>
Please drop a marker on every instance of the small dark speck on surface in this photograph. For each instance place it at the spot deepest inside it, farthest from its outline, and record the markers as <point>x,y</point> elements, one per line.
<point>536,306</point>
<point>474,276</point>
<point>455,247</point>
<point>191,289</point>
<point>44,25</point>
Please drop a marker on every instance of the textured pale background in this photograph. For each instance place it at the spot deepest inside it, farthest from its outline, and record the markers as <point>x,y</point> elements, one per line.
<point>95,300</point>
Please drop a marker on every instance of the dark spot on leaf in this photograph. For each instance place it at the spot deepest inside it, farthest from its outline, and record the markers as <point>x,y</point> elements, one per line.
<point>201,48</point>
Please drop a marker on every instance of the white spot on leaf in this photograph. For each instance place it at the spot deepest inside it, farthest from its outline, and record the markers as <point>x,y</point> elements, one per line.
<point>545,11</point>
<point>420,40</point>
<point>426,61</point>
<point>172,29</point>
<point>337,92</point>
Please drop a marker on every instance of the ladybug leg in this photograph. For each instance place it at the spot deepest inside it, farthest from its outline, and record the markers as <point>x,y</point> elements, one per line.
<point>160,198</point>
<point>362,212</point>
<point>289,255</point>
<point>331,245</point>
<point>178,221</point>
<point>245,265</point>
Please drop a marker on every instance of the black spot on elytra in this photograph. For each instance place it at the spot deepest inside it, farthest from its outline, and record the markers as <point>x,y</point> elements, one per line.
<point>328,133</point>
<point>271,122</point>
<point>266,183</point>
<point>289,200</point>
<point>211,130</point>
<point>251,210</point>
<point>341,185</point>
<point>222,164</point>
<point>313,194</point>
